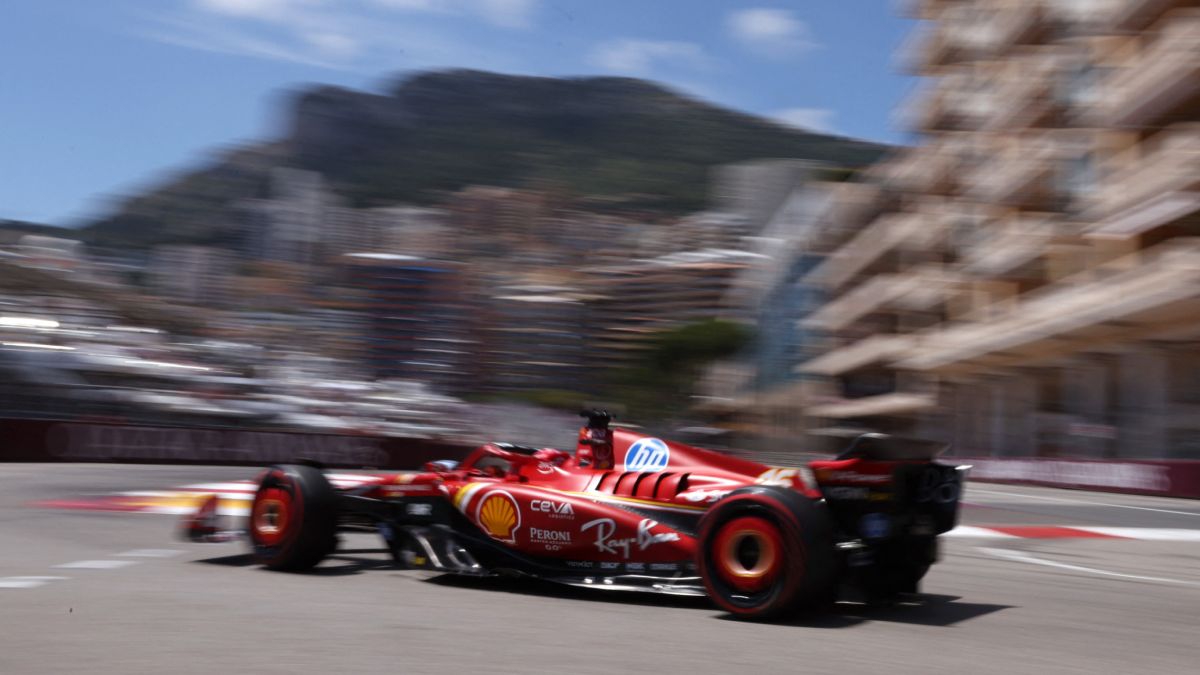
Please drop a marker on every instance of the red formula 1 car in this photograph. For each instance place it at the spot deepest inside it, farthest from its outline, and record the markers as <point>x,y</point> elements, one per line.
<point>633,512</point>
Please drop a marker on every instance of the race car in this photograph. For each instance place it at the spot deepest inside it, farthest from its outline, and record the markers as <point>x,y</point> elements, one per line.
<point>631,511</point>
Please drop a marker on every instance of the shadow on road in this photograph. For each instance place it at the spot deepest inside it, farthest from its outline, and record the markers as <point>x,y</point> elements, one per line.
<point>553,590</point>
<point>342,563</point>
<point>237,560</point>
<point>917,610</point>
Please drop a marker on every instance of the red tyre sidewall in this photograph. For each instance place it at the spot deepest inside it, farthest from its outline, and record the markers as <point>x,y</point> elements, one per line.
<point>272,548</point>
<point>770,562</point>
<point>792,560</point>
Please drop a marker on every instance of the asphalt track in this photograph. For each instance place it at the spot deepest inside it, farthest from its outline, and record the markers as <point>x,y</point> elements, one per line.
<point>99,592</point>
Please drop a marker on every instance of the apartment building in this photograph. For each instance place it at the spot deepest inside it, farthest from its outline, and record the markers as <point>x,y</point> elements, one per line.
<point>634,302</point>
<point>1025,280</point>
<point>420,319</point>
<point>198,275</point>
<point>537,335</point>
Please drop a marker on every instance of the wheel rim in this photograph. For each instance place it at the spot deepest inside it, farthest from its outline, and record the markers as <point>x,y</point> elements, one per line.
<point>271,515</point>
<point>748,553</point>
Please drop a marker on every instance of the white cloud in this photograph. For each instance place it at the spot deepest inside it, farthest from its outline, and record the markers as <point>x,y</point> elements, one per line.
<point>508,13</point>
<point>638,57</point>
<point>773,33</point>
<point>333,45</point>
<point>502,13</point>
<point>343,35</point>
<point>234,43</point>
<point>271,10</point>
<point>412,5</point>
<point>809,119</point>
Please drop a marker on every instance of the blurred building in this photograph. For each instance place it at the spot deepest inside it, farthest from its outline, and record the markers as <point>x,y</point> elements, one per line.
<point>412,230</point>
<point>1026,280</point>
<point>51,253</point>
<point>636,301</point>
<point>758,390</point>
<point>345,230</point>
<point>420,320</point>
<point>536,339</point>
<point>292,220</point>
<point>498,222</point>
<point>197,275</point>
<point>697,231</point>
<point>756,190</point>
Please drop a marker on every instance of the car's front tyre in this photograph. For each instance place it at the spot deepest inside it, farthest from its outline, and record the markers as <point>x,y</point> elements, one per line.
<point>293,518</point>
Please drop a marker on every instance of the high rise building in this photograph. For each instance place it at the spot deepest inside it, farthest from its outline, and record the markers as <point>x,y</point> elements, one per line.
<point>537,339</point>
<point>1026,279</point>
<point>197,275</point>
<point>636,301</point>
<point>420,320</point>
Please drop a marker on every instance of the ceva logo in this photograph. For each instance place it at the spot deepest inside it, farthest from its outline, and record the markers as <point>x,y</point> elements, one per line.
<point>647,454</point>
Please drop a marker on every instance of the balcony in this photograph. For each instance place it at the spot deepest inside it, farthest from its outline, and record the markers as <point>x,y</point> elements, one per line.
<point>922,169</point>
<point>895,403</point>
<point>1015,22</point>
<point>1162,80</point>
<point>1027,96</point>
<point>853,203</point>
<point>1136,15</point>
<point>947,105</point>
<point>915,289</point>
<point>867,297</point>
<point>948,42</point>
<point>1136,297</point>
<point>872,350</point>
<point>1160,187</point>
<point>1015,175</point>
<point>918,230</point>
<point>924,9</point>
<point>1002,247</point>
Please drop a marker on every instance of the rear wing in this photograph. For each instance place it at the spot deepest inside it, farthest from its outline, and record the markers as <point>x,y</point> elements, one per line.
<point>893,449</point>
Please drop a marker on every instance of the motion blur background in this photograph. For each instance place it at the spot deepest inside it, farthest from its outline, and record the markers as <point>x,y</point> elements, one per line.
<point>461,255</point>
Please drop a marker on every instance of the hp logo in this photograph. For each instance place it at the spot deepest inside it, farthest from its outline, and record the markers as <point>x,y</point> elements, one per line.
<point>647,454</point>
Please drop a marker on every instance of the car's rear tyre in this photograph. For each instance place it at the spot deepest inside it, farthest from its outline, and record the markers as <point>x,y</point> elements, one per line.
<point>767,552</point>
<point>293,519</point>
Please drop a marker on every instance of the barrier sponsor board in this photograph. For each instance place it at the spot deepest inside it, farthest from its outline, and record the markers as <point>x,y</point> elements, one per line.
<point>79,441</point>
<point>1167,478</point>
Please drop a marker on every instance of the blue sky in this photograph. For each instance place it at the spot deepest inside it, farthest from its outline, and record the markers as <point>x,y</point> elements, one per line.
<point>101,98</point>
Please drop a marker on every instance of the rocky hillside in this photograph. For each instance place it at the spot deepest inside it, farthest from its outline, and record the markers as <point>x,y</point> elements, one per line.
<point>439,131</point>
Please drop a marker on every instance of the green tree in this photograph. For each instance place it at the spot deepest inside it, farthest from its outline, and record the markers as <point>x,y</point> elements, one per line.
<point>662,384</point>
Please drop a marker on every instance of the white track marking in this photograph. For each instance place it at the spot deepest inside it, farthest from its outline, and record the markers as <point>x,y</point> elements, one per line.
<point>235,511</point>
<point>1079,501</point>
<point>238,486</point>
<point>1018,556</point>
<point>1146,533</point>
<point>977,532</point>
<point>150,553</point>
<point>352,477</point>
<point>1142,533</point>
<point>96,564</point>
<point>231,496</point>
<point>26,582</point>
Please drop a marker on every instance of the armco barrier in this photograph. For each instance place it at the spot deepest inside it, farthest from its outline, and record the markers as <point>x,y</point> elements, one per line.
<point>1166,478</point>
<point>84,441</point>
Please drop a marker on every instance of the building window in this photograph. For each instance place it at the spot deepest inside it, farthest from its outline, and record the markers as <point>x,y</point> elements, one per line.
<point>1077,180</point>
<point>1080,86</point>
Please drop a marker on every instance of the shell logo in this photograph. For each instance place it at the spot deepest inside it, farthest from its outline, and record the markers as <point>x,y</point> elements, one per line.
<point>499,516</point>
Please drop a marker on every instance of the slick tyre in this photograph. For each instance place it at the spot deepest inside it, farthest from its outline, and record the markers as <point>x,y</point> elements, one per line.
<point>293,519</point>
<point>766,553</point>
